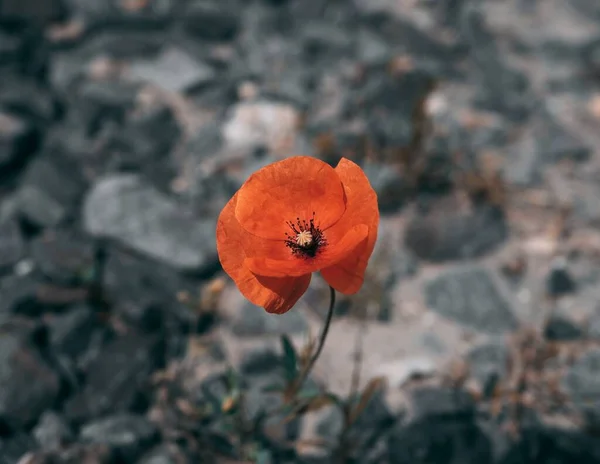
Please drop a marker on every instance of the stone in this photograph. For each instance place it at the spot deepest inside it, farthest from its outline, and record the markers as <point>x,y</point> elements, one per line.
<point>14,448</point>
<point>560,328</point>
<point>368,432</point>
<point>389,185</point>
<point>372,49</point>
<point>582,383</point>
<point>18,295</point>
<point>128,435</point>
<point>147,139</point>
<point>445,236</point>
<point>12,246</point>
<point>441,401</point>
<point>173,70</point>
<point>71,332</point>
<point>503,88</point>
<point>52,431</point>
<point>64,257</point>
<point>488,364</point>
<point>28,385</point>
<point>260,361</point>
<point>116,378</point>
<point>554,445</point>
<point>261,124</point>
<point>163,454</point>
<point>50,190</point>
<point>31,10</point>
<point>400,371</point>
<point>28,99</point>
<point>211,20</point>
<point>18,139</point>
<point>124,208</point>
<point>252,320</point>
<point>559,281</point>
<point>470,297</point>
<point>453,440</point>
<point>74,454</point>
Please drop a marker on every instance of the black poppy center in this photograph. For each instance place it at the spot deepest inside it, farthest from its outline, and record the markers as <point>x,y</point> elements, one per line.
<point>305,239</point>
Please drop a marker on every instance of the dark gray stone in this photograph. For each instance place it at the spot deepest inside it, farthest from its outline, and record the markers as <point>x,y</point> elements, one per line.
<point>64,257</point>
<point>71,332</point>
<point>260,361</point>
<point>28,386</point>
<point>18,139</point>
<point>14,448</point>
<point>552,445</point>
<point>488,364</point>
<point>11,244</point>
<point>470,297</point>
<point>50,191</point>
<point>252,320</point>
<point>560,328</point>
<point>164,454</point>
<point>211,20</point>
<point>31,10</point>
<point>451,236</point>
<point>439,440</point>
<point>116,378</point>
<point>124,208</point>
<point>18,294</point>
<point>173,70</point>
<point>441,401</point>
<point>52,431</point>
<point>502,88</point>
<point>559,281</point>
<point>389,185</point>
<point>74,454</point>
<point>582,385</point>
<point>127,434</point>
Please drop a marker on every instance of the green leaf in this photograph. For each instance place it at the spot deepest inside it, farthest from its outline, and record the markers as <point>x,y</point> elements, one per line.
<point>290,359</point>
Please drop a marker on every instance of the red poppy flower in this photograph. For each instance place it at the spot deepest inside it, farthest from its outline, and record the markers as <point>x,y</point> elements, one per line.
<point>292,218</point>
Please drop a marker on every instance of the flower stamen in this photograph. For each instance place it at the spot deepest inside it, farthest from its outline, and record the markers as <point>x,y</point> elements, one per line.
<point>306,239</point>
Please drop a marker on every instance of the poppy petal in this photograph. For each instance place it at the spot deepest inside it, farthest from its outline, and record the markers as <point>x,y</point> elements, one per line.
<point>285,190</point>
<point>297,266</point>
<point>347,275</point>
<point>276,295</point>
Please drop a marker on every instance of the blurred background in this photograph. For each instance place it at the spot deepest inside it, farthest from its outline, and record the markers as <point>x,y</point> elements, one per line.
<point>126,125</point>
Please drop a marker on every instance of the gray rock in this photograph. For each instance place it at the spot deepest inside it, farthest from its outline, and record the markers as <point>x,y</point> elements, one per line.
<point>52,431</point>
<point>122,207</point>
<point>116,377</point>
<point>211,20</point>
<point>50,190</point>
<point>253,320</point>
<point>28,386</point>
<point>439,401</point>
<point>560,328</point>
<point>582,384</point>
<point>453,236</point>
<point>173,70</point>
<point>389,185</point>
<point>163,454</point>
<point>470,297</point>
<point>11,244</point>
<point>488,364</point>
<point>129,435</point>
<point>17,138</point>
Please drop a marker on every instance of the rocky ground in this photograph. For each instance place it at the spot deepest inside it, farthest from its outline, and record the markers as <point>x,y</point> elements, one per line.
<point>125,126</point>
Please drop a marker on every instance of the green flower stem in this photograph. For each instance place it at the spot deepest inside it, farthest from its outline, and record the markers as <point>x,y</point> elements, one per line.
<point>322,338</point>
